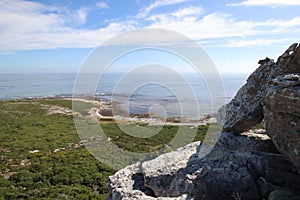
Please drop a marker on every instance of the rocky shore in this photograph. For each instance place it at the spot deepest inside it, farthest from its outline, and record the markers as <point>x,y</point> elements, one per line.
<point>104,110</point>
<point>243,163</point>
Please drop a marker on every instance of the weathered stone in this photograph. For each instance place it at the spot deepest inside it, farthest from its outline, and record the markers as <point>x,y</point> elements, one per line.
<point>287,80</point>
<point>122,183</point>
<point>246,109</point>
<point>256,140</point>
<point>168,174</point>
<point>172,174</point>
<point>282,120</point>
<point>222,174</point>
<point>135,181</point>
<point>290,57</point>
<point>228,174</point>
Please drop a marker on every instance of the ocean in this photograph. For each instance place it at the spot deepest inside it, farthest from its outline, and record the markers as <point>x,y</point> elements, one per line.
<point>171,98</point>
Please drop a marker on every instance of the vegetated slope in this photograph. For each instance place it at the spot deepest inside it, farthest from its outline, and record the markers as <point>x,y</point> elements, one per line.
<point>41,155</point>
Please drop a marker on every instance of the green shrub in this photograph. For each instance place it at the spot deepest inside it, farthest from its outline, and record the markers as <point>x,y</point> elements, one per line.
<point>72,173</point>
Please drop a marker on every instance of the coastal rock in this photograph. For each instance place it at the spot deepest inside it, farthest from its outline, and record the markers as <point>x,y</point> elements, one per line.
<point>168,174</point>
<point>246,109</point>
<point>128,184</point>
<point>282,119</point>
<point>146,181</point>
<point>243,175</point>
<point>222,174</point>
<point>173,174</point>
<point>256,140</point>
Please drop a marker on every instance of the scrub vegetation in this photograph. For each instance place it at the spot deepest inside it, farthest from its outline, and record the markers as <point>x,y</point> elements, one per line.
<point>42,157</point>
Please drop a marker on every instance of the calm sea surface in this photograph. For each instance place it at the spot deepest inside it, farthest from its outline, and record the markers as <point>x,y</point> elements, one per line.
<point>139,98</point>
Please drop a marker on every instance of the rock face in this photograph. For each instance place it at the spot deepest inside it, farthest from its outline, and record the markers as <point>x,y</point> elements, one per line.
<point>260,164</point>
<point>168,174</point>
<point>271,93</point>
<point>243,175</point>
<point>227,172</point>
<point>246,109</point>
<point>151,179</point>
<point>282,120</point>
<point>256,141</point>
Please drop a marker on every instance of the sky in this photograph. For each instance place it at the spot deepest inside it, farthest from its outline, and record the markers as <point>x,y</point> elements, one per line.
<point>57,36</point>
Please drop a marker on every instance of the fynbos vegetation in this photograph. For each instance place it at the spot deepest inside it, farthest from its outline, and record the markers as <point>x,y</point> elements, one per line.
<point>42,156</point>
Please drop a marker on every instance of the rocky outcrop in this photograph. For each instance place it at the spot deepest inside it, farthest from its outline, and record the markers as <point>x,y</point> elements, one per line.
<point>244,175</point>
<point>227,172</point>
<point>151,179</point>
<point>271,93</point>
<point>260,164</point>
<point>169,174</point>
<point>282,117</point>
<point>246,109</point>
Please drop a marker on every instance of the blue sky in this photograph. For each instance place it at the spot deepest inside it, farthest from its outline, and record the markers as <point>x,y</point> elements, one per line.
<point>58,35</point>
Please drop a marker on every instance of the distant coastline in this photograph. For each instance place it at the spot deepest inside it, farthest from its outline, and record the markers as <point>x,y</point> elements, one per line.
<point>33,86</point>
<point>103,111</point>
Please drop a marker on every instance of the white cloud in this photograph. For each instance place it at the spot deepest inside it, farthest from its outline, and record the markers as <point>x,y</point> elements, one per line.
<point>191,22</point>
<point>60,38</point>
<point>267,3</point>
<point>258,42</point>
<point>189,11</point>
<point>23,6</point>
<point>82,14</point>
<point>289,24</point>
<point>158,3</point>
<point>27,25</point>
<point>210,26</point>
<point>26,17</point>
<point>102,5</point>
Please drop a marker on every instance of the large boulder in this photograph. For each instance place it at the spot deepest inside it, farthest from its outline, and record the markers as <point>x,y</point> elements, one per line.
<point>246,109</point>
<point>155,179</point>
<point>282,116</point>
<point>168,174</point>
<point>227,172</point>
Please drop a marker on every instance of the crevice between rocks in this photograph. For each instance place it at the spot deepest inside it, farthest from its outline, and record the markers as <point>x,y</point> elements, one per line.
<point>139,184</point>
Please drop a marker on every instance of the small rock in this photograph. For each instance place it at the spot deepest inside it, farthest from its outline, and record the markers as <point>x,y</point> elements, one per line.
<point>34,151</point>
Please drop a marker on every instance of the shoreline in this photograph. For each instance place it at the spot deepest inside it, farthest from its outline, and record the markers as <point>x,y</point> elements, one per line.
<point>103,111</point>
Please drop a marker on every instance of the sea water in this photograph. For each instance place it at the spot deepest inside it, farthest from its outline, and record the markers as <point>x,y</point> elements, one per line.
<point>153,96</point>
